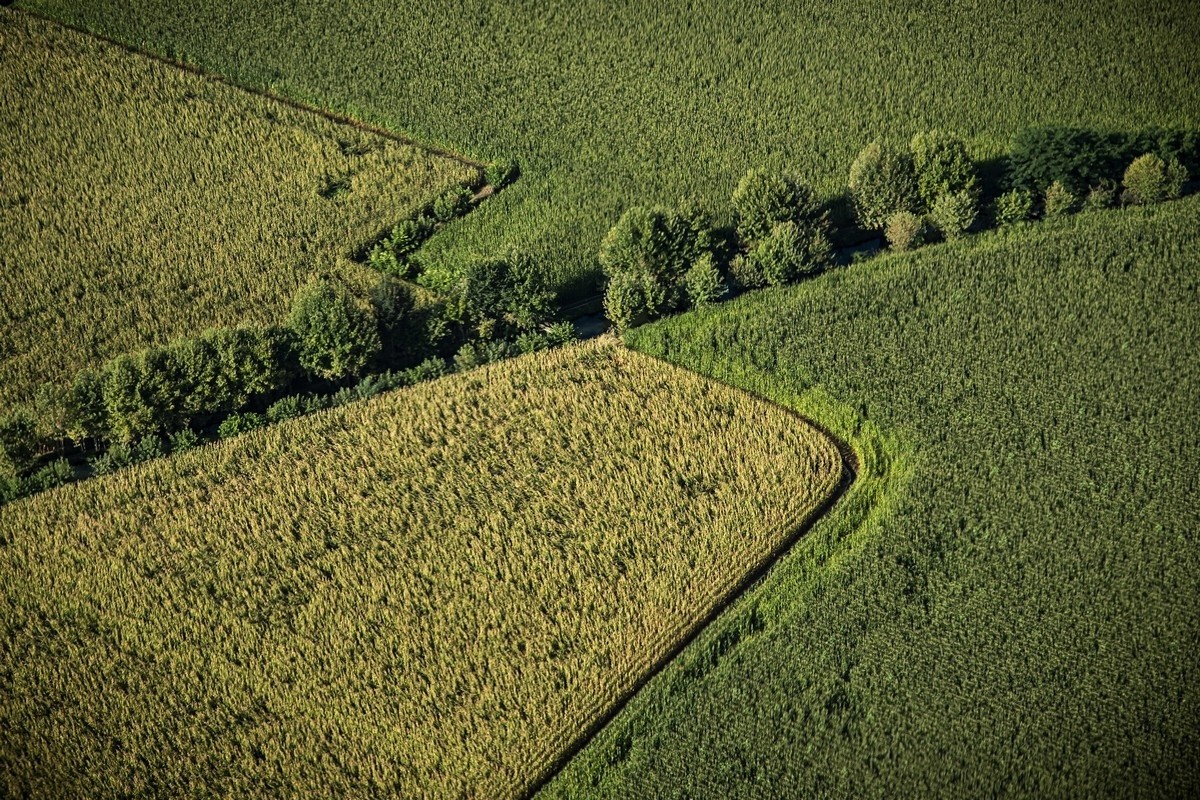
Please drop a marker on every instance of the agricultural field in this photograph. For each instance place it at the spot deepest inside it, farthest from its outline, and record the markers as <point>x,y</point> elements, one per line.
<point>140,202</point>
<point>433,593</point>
<point>610,105</point>
<point>1012,611</point>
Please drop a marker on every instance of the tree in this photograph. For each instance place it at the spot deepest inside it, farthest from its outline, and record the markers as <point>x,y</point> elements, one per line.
<point>85,408</point>
<point>127,413</point>
<point>882,182</point>
<point>502,295</point>
<point>791,251</point>
<point>1151,179</point>
<point>704,282</point>
<point>954,213</point>
<point>1058,200</point>
<point>645,257</point>
<point>18,442</point>
<point>1013,206</point>
<point>764,199</point>
<point>942,165</point>
<point>336,336</point>
<point>905,230</point>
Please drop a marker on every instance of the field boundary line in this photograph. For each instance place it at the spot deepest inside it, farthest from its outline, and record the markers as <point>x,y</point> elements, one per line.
<point>336,117</point>
<point>690,633</point>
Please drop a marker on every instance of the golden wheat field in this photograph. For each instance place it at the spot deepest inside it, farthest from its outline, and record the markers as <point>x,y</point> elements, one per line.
<point>431,593</point>
<point>145,202</point>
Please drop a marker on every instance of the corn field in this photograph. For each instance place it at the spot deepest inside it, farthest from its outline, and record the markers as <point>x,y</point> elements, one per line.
<point>140,202</point>
<point>609,105</point>
<point>431,593</point>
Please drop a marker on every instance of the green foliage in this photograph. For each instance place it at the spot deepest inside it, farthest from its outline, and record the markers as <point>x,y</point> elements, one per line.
<point>942,164</point>
<point>237,424</point>
<point>764,199</point>
<point>704,282</point>
<point>954,213</point>
<point>1058,200</point>
<point>1101,196</point>
<point>19,443</point>
<point>905,230</point>
<point>1015,540</point>
<point>286,408</point>
<point>502,173</point>
<point>86,417</point>
<point>183,440</point>
<point>746,272</point>
<point>188,203</point>
<point>336,335</point>
<point>497,296</point>
<point>560,333</point>
<point>1150,179</point>
<point>793,250</point>
<point>450,204</point>
<point>1015,205</point>
<point>56,473</point>
<point>646,257</point>
<point>882,182</point>
<point>117,456</point>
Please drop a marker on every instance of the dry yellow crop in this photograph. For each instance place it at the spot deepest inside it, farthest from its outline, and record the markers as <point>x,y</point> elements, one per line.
<point>141,202</point>
<point>431,593</point>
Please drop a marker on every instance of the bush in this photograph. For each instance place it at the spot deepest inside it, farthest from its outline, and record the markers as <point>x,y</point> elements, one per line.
<point>184,440</point>
<point>336,336</point>
<point>1150,179</point>
<point>882,182</point>
<point>11,487</point>
<point>1058,200</point>
<point>426,371</point>
<point>625,302</point>
<point>764,199</point>
<point>236,424</point>
<point>905,231</point>
<point>954,213</point>
<point>1101,196</point>
<point>792,251</point>
<point>148,449</point>
<point>118,456</point>
<point>704,282</point>
<point>287,408</point>
<point>56,473</point>
<point>502,173</point>
<point>1013,206</point>
<point>746,273</point>
<point>452,203</point>
<point>560,333</point>
<point>942,166</point>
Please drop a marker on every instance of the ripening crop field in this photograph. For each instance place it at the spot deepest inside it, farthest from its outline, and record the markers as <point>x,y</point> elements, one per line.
<point>140,202</point>
<point>1016,612</point>
<point>432,593</point>
<point>608,105</point>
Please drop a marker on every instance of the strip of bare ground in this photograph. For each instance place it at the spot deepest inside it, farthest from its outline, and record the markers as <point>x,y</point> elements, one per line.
<point>850,469</point>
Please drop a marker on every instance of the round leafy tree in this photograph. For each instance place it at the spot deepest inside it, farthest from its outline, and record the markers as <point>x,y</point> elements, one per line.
<point>882,182</point>
<point>336,336</point>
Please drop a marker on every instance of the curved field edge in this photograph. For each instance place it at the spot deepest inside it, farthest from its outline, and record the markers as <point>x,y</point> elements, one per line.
<point>880,461</point>
<point>1035,636</point>
<point>500,554</point>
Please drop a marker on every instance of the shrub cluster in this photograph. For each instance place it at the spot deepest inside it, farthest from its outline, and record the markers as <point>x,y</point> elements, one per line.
<point>499,297</point>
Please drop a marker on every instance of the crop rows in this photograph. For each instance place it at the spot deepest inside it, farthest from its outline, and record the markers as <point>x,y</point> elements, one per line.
<point>142,202</point>
<point>432,593</point>
<point>1016,613</point>
<point>644,103</point>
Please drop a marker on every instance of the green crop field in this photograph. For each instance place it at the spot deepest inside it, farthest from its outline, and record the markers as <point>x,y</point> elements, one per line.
<point>140,202</point>
<point>433,593</point>
<point>1010,608</point>
<point>610,105</point>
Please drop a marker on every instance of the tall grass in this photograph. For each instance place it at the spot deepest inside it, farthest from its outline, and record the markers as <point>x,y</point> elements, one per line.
<point>430,594</point>
<point>142,202</point>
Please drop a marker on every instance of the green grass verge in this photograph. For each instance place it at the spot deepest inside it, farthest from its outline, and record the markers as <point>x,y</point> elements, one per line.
<point>610,106</point>
<point>1012,610</point>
